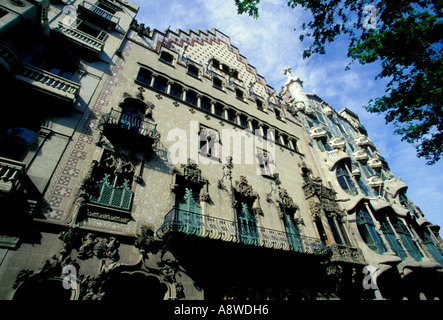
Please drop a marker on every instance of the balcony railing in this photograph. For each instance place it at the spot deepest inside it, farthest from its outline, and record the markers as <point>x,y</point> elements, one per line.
<point>204,226</point>
<point>96,12</point>
<point>347,254</point>
<point>11,173</point>
<point>131,131</point>
<point>48,82</point>
<point>82,38</point>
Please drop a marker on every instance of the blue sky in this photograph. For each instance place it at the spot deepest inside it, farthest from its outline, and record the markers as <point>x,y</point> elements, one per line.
<point>270,43</point>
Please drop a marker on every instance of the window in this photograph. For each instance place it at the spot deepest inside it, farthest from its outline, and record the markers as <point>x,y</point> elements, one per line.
<point>105,6</point>
<point>430,245</point>
<point>239,94</point>
<point>391,238</point>
<point>218,110</point>
<point>247,225</point>
<point>176,91</point>
<point>217,83</point>
<point>216,63</point>
<point>166,57</point>
<point>209,142</point>
<point>193,71</point>
<point>191,97</point>
<point>243,122</point>
<point>265,162</point>
<point>114,178</point>
<point>345,180</point>
<point>292,231</point>
<point>188,211</point>
<point>205,104</point>
<point>367,231</point>
<point>15,142</point>
<point>91,30</point>
<point>144,76</point>
<point>406,238</point>
<point>161,83</point>
<point>259,104</point>
<point>232,116</point>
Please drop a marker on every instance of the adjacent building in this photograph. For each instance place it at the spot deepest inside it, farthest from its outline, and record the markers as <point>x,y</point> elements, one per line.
<point>138,164</point>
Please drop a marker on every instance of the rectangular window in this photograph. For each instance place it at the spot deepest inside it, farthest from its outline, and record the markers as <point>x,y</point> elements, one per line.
<point>144,76</point>
<point>218,110</point>
<point>205,104</point>
<point>161,84</point>
<point>191,97</point>
<point>114,182</point>
<point>265,162</point>
<point>209,142</point>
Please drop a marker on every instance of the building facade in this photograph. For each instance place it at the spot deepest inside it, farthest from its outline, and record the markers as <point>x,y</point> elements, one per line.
<point>161,165</point>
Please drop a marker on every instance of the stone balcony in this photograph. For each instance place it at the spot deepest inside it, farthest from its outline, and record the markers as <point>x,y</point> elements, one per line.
<point>338,143</point>
<point>360,156</point>
<point>393,186</point>
<point>375,182</point>
<point>50,83</point>
<point>363,141</point>
<point>318,133</point>
<point>93,45</point>
<point>99,16</point>
<point>375,163</point>
<point>11,175</point>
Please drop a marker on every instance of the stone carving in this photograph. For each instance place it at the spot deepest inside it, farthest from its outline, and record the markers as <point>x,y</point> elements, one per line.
<point>205,197</point>
<point>191,172</point>
<point>86,250</point>
<point>244,188</point>
<point>145,239</point>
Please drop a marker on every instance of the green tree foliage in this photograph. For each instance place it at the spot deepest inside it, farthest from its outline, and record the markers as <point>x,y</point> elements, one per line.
<point>406,38</point>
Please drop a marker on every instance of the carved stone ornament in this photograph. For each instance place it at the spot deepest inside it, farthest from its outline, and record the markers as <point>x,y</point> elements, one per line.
<point>145,239</point>
<point>244,188</point>
<point>205,197</point>
<point>191,172</point>
<point>286,200</point>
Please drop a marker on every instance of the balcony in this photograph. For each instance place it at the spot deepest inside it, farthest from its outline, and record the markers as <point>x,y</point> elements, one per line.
<point>360,156</point>
<point>100,17</point>
<point>129,131</point>
<point>375,163</point>
<point>375,182</point>
<point>318,133</point>
<point>11,174</point>
<point>338,143</point>
<point>50,83</point>
<point>394,185</point>
<point>204,226</point>
<point>93,45</point>
<point>363,141</point>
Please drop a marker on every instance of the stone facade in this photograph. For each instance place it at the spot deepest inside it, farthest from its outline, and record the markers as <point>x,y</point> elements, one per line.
<point>170,164</point>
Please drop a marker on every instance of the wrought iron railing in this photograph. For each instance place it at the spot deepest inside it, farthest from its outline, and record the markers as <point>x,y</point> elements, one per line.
<point>196,224</point>
<point>132,123</point>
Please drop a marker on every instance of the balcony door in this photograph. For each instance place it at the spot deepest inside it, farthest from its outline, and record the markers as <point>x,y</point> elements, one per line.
<point>292,232</point>
<point>188,211</point>
<point>247,224</point>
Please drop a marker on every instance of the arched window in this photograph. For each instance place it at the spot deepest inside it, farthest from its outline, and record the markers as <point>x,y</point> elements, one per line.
<point>367,231</point>
<point>345,180</point>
